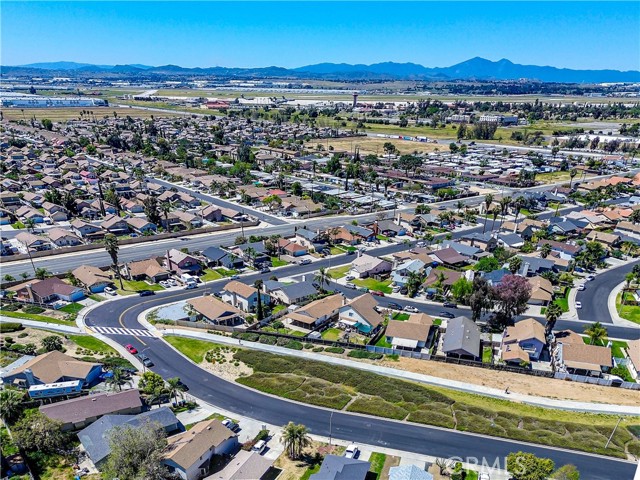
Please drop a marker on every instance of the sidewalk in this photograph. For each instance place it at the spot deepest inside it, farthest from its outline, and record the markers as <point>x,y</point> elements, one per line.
<point>45,325</point>
<point>415,377</point>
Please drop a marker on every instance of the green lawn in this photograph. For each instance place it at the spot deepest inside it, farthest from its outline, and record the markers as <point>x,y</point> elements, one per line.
<point>563,302</point>
<point>338,272</point>
<point>310,471</point>
<point>487,353</point>
<point>276,262</point>
<point>278,308</point>
<point>382,342</point>
<point>136,286</point>
<point>18,225</point>
<point>192,348</point>
<point>332,334</point>
<point>36,318</point>
<point>225,273</point>
<point>72,308</point>
<point>373,284</point>
<point>96,298</point>
<point>377,460</point>
<point>628,312</point>
<point>91,343</point>
<point>401,316</point>
<point>211,275</point>
<point>336,251</point>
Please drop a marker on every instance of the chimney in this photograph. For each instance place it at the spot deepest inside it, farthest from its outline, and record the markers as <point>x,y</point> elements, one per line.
<point>31,381</point>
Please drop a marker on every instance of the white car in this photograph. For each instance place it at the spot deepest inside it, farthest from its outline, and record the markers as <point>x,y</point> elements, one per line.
<point>578,305</point>
<point>110,291</point>
<point>352,451</point>
<point>350,285</point>
<point>581,286</point>
<point>349,278</point>
<point>591,278</point>
<point>410,308</point>
<point>172,282</point>
<point>306,261</point>
<point>164,284</point>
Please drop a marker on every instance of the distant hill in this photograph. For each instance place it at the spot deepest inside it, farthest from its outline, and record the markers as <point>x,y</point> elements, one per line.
<point>476,68</point>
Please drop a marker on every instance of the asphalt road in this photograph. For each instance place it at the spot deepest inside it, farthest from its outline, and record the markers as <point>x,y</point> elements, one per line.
<point>594,297</point>
<point>356,428</point>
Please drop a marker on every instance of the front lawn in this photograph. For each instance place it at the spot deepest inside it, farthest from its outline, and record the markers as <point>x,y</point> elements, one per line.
<point>91,343</point>
<point>382,342</point>
<point>192,348</point>
<point>487,354</point>
<point>210,275</point>
<point>401,316</point>
<point>628,312</point>
<point>563,301</point>
<point>225,273</point>
<point>377,463</point>
<point>136,286</point>
<point>96,298</point>
<point>339,272</point>
<point>36,317</point>
<point>373,284</point>
<point>278,308</point>
<point>277,262</point>
<point>71,308</point>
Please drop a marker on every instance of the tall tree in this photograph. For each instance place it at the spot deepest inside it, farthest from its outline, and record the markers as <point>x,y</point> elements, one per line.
<point>552,314</point>
<point>480,300</point>
<point>597,333</point>
<point>175,388</point>
<point>112,247</point>
<point>10,403</point>
<point>259,308</point>
<point>526,466</point>
<point>118,379</point>
<point>37,432</point>
<point>295,439</point>
<point>511,296</point>
<point>322,278</point>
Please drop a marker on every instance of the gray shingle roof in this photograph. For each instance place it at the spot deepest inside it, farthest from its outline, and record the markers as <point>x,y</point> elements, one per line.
<point>341,468</point>
<point>462,336</point>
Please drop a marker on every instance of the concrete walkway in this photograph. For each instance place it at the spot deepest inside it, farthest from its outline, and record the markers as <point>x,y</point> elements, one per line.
<point>44,325</point>
<point>415,377</point>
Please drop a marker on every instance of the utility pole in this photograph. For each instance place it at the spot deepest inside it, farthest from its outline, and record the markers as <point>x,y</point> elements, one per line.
<point>330,424</point>
<point>612,433</point>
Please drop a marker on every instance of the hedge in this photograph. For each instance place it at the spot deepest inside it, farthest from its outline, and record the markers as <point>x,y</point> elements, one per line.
<point>364,354</point>
<point>6,327</point>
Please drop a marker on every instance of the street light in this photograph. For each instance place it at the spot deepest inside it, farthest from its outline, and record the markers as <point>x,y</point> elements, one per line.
<point>330,424</point>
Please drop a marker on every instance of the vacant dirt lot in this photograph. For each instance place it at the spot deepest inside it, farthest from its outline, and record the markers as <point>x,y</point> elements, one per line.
<point>375,145</point>
<point>73,113</point>
<point>518,383</point>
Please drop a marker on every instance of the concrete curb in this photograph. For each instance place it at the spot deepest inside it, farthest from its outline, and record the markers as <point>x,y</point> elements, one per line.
<point>410,376</point>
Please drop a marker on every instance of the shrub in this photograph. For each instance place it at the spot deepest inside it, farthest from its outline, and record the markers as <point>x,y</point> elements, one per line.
<point>308,346</point>
<point>262,435</point>
<point>9,340</point>
<point>294,344</point>
<point>11,307</point>
<point>393,356</point>
<point>334,350</point>
<point>364,354</point>
<point>282,341</point>
<point>32,309</point>
<point>277,324</point>
<point>267,339</point>
<point>23,335</point>
<point>318,349</point>
<point>10,327</point>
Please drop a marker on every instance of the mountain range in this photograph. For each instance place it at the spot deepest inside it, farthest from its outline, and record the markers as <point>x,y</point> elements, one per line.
<point>474,69</point>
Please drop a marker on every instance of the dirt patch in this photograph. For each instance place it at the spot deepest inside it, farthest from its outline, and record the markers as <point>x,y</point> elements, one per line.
<point>375,145</point>
<point>518,383</point>
<point>390,461</point>
<point>223,365</point>
<point>295,469</point>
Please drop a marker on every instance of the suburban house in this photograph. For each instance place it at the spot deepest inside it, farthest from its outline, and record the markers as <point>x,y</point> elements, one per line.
<point>523,342</point>
<point>189,454</point>
<point>367,266</point>
<point>212,310</point>
<point>86,230</point>
<point>628,229</point>
<point>181,262</point>
<point>52,367</point>
<point>411,334</point>
<point>245,466</point>
<point>409,472</point>
<point>217,257</point>
<point>55,212</point>
<point>310,239</point>
<point>449,257</point>
<point>47,291</point>
<point>115,225</point>
<point>29,213</point>
<point>148,269</point>
<point>80,412</point>
<point>294,293</point>
<point>609,240</point>
<point>140,225</point>
<point>571,355</point>
<point>401,272</point>
<point>63,238</point>
<point>360,313</point>
<point>33,242</point>
<point>95,437</point>
<point>188,220</point>
<point>341,468</point>
<point>317,312</point>
<point>92,278</point>
<point>352,235</point>
<point>211,213</point>
<point>294,249</point>
<point>510,240</point>
<point>443,279</point>
<point>633,354</point>
<point>541,291</point>
<point>462,339</point>
<point>564,250</point>
<point>254,253</point>
<point>485,241</point>
<point>242,296</point>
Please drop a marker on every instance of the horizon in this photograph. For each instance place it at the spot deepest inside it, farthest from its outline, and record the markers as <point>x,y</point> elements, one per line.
<point>293,35</point>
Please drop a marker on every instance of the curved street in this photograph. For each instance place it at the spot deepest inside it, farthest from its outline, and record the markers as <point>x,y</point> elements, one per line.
<point>352,427</point>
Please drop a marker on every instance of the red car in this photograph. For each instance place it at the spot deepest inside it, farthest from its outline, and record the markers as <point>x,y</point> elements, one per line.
<point>131,349</point>
<point>377,293</point>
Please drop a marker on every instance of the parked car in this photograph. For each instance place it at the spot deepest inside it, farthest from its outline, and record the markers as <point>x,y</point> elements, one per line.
<point>377,293</point>
<point>146,361</point>
<point>164,284</point>
<point>446,315</point>
<point>578,305</point>
<point>350,285</point>
<point>172,282</point>
<point>349,278</point>
<point>591,278</point>
<point>420,244</point>
<point>363,289</point>
<point>146,293</point>
<point>394,306</point>
<point>351,252</point>
<point>259,446</point>
<point>131,349</point>
<point>410,308</point>
<point>265,270</point>
<point>110,291</point>
<point>306,261</point>
<point>182,386</point>
<point>449,305</point>
<point>230,424</point>
<point>190,286</point>
<point>581,287</point>
<point>351,451</point>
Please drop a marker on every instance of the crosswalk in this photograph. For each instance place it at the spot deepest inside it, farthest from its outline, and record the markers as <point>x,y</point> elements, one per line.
<point>123,331</point>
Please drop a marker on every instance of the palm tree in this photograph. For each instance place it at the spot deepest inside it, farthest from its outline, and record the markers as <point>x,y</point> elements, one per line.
<point>166,208</point>
<point>295,439</point>
<point>629,278</point>
<point>504,208</point>
<point>117,379</point>
<point>157,395</point>
<point>322,278</point>
<point>596,332</point>
<point>459,205</point>
<point>10,403</point>
<point>545,250</point>
<point>572,173</point>
<point>111,246</point>
<point>554,311</point>
<point>30,224</point>
<point>42,273</point>
<point>488,200</point>
<point>259,311</point>
<point>175,388</point>
<point>494,213</point>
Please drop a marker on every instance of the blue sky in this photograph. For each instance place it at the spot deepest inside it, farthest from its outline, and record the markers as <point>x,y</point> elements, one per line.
<point>591,35</point>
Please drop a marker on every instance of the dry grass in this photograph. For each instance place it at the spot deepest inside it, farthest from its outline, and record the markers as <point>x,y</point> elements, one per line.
<point>375,145</point>
<point>295,469</point>
<point>518,383</point>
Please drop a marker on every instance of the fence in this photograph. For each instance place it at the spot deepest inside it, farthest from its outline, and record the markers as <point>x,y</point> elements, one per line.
<point>397,351</point>
<point>595,380</point>
<point>492,366</point>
